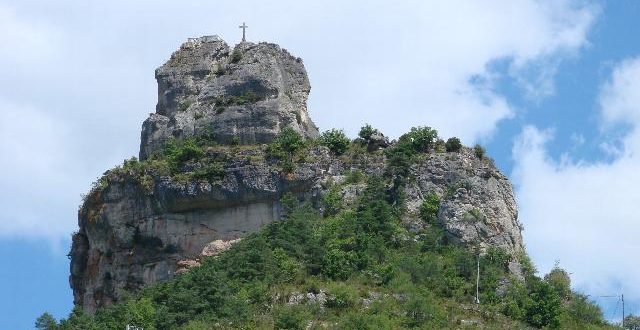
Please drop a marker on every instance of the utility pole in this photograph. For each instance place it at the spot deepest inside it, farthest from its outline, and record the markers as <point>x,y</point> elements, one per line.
<point>623,310</point>
<point>478,282</point>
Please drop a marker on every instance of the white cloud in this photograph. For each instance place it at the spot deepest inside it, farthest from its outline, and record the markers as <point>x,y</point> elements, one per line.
<point>36,175</point>
<point>587,214</point>
<point>25,42</point>
<point>88,67</point>
<point>416,66</point>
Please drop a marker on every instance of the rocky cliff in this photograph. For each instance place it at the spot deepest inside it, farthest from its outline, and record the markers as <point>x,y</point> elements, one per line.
<point>145,221</point>
<point>245,95</point>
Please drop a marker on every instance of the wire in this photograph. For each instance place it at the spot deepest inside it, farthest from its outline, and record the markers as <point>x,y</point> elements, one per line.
<point>615,310</point>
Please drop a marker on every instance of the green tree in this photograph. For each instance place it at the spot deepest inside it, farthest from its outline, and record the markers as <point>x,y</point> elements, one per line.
<point>559,279</point>
<point>632,322</point>
<point>285,146</point>
<point>545,306</point>
<point>366,132</point>
<point>479,151</point>
<point>421,138</point>
<point>291,317</point>
<point>178,153</point>
<point>46,321</point>
<point>583,311</point>
<point>335,140</point>
<point>429,208</point>
<point>453,144</point>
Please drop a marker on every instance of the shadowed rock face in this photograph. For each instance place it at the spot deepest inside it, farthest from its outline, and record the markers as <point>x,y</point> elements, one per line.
<point>243,95</point>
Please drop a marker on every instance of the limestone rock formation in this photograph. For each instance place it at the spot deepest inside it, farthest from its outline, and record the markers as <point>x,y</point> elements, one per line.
<point>242,95</point>
<point>140,225</point>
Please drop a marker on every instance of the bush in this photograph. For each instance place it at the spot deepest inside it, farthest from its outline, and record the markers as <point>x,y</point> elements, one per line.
<point>545,307</point>
<point>335,140</point>
<point>210,172</point>
<point>338,264</point>
<point>362,321</point>
<point>46,322</point>
<point>285,146</point>
<point>498,257</point>
<point>421,139</point>
<point>583,311</point>
<point>236,56</point>
<point>332,201</point>
<point>366,132</point>
<point>479,151</point>
<point>632,322</point>
<point>341,296</point>
<point>439,146</point>
<point>294,317</point>
<point>184,105</point>
<point>420,310</point>
<point>559,279</point>
<point>453,144</point>
<point>354,176</point>
<point>429,208</point>
<point>178,153</point>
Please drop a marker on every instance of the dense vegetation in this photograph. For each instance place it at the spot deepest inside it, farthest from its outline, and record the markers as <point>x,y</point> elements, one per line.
<point>352,267</point>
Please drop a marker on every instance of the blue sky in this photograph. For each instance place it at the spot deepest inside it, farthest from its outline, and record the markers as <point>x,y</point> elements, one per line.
<point>552,88</point>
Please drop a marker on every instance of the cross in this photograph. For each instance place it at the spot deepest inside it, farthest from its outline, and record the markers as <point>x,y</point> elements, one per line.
<point>243,27</point>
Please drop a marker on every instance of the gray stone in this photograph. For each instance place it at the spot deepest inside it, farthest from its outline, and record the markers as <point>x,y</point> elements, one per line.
<point>242,95</point>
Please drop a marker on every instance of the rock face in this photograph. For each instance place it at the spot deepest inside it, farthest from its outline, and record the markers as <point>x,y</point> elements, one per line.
<point>141,226</point>
<point>477,203</point>
<point>245,95</point>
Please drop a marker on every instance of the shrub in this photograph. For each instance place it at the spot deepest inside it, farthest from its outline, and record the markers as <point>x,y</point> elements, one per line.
<point>439,146</point>
<point>337,264</point>
<point>286,266</point>
<point>362,321</point>
<point>178,153</point>
<point>332,201</point>
<point>632,322</point>
<point>559,279</point>
<point>210,172</point>
<point>335,140</point>
<point>294,317</point>
<point>479,151</point>
<point>498,257</point>
<point>528,268</point>
<point>420,310</point>
<point>583,311</point>
<point>421,139</point>
<point>341,296</point>
<point>453,144</point>
<point>184,105</point>
<point>544,307</point>
<point>366,131</point>
<point>429,208</point>
<point>46,322</point>
<point>354,176</point>
<point>236,56</point>
<point>285,146</point>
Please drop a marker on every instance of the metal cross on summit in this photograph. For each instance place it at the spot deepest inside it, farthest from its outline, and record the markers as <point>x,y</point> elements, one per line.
<point>243,27</point>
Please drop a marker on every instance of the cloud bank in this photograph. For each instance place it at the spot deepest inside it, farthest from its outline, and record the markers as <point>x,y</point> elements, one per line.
<point>586,214</point>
